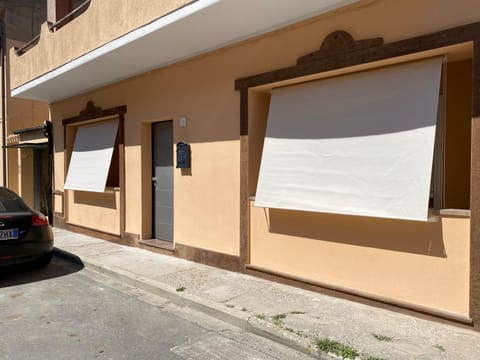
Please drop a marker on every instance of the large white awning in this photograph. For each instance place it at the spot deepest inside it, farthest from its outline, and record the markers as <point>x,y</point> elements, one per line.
<point>359,144</point>
<point>91,156</point>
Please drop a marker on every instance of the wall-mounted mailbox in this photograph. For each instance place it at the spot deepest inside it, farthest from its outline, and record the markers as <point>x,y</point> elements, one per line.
<point>183,155</point>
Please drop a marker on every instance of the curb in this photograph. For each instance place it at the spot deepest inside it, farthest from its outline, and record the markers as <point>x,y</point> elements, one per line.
<point>184,299</point>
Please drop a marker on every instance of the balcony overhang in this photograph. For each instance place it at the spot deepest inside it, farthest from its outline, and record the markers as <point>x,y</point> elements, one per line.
<point>199,27</point>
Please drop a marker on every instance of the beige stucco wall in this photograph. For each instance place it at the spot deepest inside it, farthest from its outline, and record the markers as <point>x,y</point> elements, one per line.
<point>99,211</point>
<point>103,21</point>
<point>13,170</point>
<point>206,200</point>
<point>434,257</point>
<point>22,113</point>
<point>25,177</point>
<point>419,263</point>
<point>385,258</point>
<point>58,204</point>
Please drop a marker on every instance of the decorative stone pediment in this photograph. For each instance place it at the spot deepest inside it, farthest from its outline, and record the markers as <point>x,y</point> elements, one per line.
<point>91,111</point>
<point>337,43</point>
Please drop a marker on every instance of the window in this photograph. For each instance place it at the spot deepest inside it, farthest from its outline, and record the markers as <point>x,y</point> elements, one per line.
<point>436,184</point>
<point>359,144</point>
<point>113,179</point>
<point>10,202</point>
<point>94,160</point>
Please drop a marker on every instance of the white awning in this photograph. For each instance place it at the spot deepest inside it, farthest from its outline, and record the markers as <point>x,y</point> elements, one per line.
<point>359,144</point>
<point>91,156</point>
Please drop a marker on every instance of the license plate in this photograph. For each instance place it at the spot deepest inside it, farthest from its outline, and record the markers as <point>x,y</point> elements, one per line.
<point>8,234</point>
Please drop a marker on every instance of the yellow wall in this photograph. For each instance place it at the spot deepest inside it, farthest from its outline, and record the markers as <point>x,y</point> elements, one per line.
<point>58,203</point>
<point>13,170</point>
<point>25,174</point>
<point>22,113</point>
<point>99,211</point>
<point>25,113</point>
<point>420,263</point>
<point>206,200</point>
<point>386,258</point>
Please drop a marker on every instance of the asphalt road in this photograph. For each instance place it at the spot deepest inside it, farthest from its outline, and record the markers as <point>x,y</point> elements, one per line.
<point>68,312</point>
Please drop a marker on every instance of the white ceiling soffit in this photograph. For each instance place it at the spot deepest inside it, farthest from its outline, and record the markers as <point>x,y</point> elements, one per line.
<point>197,28</point>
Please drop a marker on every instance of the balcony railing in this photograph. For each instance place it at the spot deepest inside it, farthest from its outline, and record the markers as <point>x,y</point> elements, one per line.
<point>54,27</point>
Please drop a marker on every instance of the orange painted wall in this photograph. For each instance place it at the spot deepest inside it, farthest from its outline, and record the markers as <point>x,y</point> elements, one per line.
<point>415,262</point>
<point>420,263</point>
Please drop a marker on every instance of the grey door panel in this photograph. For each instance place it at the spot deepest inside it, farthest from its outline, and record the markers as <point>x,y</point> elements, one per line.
<point>162,180</point>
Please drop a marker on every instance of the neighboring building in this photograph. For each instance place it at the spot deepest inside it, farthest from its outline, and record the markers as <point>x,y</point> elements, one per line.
<point>366,179</point>
<point>24,161</point>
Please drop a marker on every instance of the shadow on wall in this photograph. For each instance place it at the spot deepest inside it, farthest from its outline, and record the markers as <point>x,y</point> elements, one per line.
<point>411,237</point>
<point>105,200</point>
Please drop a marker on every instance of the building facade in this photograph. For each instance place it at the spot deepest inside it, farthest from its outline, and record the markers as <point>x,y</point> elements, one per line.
<point>331,144</point>
<point>25,155</point>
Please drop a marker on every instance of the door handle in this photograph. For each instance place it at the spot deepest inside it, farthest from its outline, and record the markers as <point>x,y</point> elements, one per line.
<point>154,181</point>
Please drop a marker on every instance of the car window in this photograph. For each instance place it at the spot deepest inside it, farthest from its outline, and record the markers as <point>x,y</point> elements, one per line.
<point>10,202</point>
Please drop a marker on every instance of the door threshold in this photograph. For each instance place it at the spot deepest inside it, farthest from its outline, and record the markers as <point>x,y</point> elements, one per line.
<point>162,244</point>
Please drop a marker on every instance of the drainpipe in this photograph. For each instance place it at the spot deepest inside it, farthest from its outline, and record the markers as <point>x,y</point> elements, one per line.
<point>48,132</point>
<point>3,52</point>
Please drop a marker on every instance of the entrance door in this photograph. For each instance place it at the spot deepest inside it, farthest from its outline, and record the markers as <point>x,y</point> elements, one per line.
<point>162,180</point>
<point>41,183</point>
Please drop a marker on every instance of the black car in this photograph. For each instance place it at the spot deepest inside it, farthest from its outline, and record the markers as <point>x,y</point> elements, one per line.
<point>25,235</point>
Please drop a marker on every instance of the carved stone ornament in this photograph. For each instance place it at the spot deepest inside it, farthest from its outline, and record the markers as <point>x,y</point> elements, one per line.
<point>337,43</point>
<point>91,111</point>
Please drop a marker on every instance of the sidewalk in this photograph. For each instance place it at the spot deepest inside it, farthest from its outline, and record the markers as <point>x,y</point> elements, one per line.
<point>292,316</point>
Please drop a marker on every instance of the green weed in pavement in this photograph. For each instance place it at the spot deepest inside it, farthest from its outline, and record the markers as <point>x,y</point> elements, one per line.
<point>260,316</point>
<point>381,337</point>
<point>278,319</point>
<point>334,347</point>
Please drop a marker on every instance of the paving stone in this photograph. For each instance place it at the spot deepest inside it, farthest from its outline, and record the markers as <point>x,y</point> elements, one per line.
<point>309,316</point>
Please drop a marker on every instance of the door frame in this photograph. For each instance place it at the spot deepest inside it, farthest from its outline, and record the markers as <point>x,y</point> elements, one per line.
<point>152,190</point>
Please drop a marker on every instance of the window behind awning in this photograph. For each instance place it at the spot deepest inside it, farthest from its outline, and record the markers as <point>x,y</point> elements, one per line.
<point>91,156</point>
<point>359,144</point>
